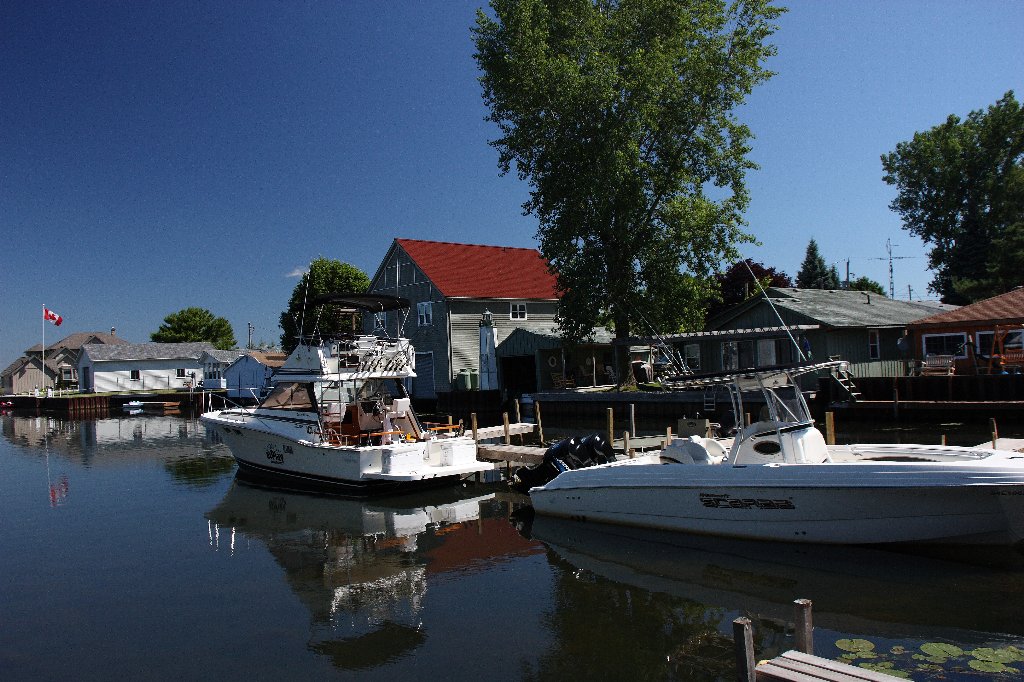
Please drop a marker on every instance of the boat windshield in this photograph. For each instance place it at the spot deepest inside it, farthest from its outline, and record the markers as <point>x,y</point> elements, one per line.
<point>291,396</point>
<point>786,404</point>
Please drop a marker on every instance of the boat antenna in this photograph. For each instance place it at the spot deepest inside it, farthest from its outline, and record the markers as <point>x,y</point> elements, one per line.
<point>305,295</point>
<point>799,350</point>
<point>664,346</point>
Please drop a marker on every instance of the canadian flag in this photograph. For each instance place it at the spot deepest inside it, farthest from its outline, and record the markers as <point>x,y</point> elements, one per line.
<point>52,316</point>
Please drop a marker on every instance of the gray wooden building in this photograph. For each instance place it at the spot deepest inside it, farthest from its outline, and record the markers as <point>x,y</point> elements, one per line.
<point>863,328</point>
<point>450,287</point>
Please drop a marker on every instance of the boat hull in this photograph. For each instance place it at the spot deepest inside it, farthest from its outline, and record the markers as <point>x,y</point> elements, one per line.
<point>266,452</point>
<point>859,503</point>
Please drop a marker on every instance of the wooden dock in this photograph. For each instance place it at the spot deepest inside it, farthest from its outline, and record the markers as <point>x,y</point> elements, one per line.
<point>800,665</point>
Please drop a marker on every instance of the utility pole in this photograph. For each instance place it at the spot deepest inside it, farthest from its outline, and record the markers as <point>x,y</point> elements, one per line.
<point>251,328</point>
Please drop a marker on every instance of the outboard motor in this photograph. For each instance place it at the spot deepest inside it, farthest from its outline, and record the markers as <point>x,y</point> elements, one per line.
<point>553,464</point>
<point>595,450</point>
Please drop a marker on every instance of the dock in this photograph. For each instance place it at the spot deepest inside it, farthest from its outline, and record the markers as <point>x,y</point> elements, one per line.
<point>799,665</point>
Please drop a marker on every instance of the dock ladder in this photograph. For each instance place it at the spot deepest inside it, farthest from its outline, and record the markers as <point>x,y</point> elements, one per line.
<point>710,401</point>
<point>847,389</point>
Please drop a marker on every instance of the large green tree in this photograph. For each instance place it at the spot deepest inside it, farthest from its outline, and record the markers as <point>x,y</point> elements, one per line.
<point>195,324</point>
<point>325,276</point>
<point>960,188</point>
<point>620,115</point>
<point>865,283</point>
<point>814,273</point>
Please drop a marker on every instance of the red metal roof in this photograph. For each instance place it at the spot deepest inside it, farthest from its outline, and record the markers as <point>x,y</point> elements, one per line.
<point>1004,307</point>
<point>475,271</point>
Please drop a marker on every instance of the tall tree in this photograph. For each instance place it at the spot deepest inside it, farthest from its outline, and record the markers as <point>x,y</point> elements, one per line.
<point>735,284</point>
<point>195,324</point>
<point>814,273</point>
<point>960,188</point>
<point>619,114</point>
<point>325,276</point>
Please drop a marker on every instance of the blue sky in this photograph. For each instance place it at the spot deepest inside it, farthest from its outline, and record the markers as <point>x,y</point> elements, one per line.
<point>161,155</point>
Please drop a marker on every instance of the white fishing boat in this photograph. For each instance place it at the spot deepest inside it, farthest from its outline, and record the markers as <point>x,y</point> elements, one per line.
<point>777,479</point>
<point>339,419</point>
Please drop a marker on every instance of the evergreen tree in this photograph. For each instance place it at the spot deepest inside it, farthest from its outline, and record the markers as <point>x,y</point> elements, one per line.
<point>814,273</point>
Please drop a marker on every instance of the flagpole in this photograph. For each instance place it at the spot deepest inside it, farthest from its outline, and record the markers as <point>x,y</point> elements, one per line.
<point>44,349</point>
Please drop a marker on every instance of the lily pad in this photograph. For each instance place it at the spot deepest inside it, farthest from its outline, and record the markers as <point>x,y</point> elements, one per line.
<point>941,650</point>
<point>860,646</point>
<point>988,666</point>
<point>1007,655</point>
<point>885,667</point>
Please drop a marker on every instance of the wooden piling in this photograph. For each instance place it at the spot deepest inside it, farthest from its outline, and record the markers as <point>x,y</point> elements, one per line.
<point>830,428</point>
<point>611,425</point>
<point>943,439</point>
<point>472,421</point>
<point>995,431</point>
<point>743,636</point>
<point>519,418</point>
<point>804,628</point>
<point>504,421</point>
<point>625,444</point>
<point>540,426</point>
<point>632,418</point>
<point>668,436</point>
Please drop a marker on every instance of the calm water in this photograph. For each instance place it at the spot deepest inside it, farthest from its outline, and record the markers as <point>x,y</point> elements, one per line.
<point>129,549</point>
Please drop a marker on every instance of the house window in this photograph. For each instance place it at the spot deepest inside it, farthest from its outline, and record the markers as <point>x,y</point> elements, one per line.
<point>517,311</point>
<point>380,321</point>
<point>737,354</point>
<point>424,314</point>
<point>133,375</point>
<point>180,373</point>
<point>691,355</point>
<point>945,344</point>
<point>67,374</point>
<point>874,345</point>
<point>983,343</point>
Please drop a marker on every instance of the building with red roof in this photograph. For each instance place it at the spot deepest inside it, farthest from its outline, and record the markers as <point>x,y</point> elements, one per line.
<point>450,287</point>
<point>969,332</point>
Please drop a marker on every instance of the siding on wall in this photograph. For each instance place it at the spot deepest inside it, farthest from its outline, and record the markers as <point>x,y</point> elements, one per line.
<point>466,315</point>
<point>153,375</point>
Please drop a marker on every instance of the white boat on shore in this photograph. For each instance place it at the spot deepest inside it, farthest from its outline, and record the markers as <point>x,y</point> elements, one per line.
<point>778,480</point>
<point>338,419</point>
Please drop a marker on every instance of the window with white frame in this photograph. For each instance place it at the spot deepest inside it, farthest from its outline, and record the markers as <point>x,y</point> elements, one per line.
<point>424,314</point>
<point>517,311</point>
<point>945,344</point>
<point>134,375</point>
<point>180,373</point>
<point>874,344</point>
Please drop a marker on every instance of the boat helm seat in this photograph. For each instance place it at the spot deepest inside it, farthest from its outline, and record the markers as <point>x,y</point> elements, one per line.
<point>693,450</point>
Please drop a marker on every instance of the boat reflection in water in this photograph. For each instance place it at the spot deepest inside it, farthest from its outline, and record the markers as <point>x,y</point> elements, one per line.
<point>856,590</point>
<point>363,568</point>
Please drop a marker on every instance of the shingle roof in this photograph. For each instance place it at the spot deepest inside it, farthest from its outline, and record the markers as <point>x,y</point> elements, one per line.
<point>269,359</point>
<point>475,271</point>
<point>841,308</point>
<point>77,340</point>
<point>225,356</point>
<point>1008,307</point>
<point>147,351</point>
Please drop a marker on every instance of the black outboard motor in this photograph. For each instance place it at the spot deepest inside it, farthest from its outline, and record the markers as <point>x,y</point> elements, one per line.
<point>562,456</point>
<point>553,464</point>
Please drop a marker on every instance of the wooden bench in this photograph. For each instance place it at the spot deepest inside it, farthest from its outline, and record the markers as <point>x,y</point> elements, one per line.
<point>937,365</point>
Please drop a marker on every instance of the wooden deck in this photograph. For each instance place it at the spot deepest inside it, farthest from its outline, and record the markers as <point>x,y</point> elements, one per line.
<point>800,667</point>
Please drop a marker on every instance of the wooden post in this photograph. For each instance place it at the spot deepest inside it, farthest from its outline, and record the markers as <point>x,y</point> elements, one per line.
<point>472,421</point>
<point>540,426</point>
<point>943,439</point>
<point>895,399</point>
<point>995,431</point>
<point>668,436</point>
<point>611,426</point>
<point>632,418</point>
<point>625,444</point>
<point>746,419</point>
<point>504,420</point>
<point>519,418</point>
<point>830,428</point>
<point>743,641</point>
<point>804,628</point>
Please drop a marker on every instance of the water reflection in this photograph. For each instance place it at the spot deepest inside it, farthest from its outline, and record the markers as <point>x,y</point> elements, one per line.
<point>363,568</point>
<point>696,585</point>
<point>190,453</point>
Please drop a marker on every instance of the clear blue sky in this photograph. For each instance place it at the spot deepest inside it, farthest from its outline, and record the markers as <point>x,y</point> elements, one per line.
<point>160,155</point>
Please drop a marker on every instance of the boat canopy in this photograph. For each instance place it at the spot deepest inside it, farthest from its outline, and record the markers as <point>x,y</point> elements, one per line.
<point>354,302</point>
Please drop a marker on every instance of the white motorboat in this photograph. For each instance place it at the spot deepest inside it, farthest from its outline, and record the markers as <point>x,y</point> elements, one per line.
<point>777,479</point>
<point>338,419</point>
